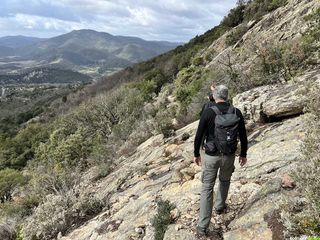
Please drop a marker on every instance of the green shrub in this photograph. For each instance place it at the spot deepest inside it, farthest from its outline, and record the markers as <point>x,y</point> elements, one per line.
<point>17,209</point>
<point>188,83</point>
<point>274,4</point>
<point>100,159</point>
<point>236,35</point>
<point>58,214</point>
<point>308,175</point>
<point>209,56</point>
<point>313,238</point>
<point>88,136</point>
<point>164,122</point>
<point>162,219</point>
<point>311,37</point>
<point>279,62</point>
<point>147,88</point>
<point>17,151</point>
<point>234,17</point>
<point>152,83</point>
<point>9,180</point>
<point>102,170</point>
<point>102,113</point>
<point>198,61</point>
<point>66,149</point>
<point>256,9</point>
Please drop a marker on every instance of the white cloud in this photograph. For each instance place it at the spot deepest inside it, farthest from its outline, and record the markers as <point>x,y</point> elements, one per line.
<point>171,20</point>
<point>142,16</point>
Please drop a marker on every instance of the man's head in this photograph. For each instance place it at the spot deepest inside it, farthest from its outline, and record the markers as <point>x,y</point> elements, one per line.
<point>220,93</point>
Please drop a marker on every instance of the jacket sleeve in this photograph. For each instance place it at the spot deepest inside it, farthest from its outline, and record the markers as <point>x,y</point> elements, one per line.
<point>242,135</point>
<point>202,128</point>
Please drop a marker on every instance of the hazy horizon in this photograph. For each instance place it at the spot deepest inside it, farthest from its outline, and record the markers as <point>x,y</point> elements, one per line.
<point>19,35</point>
<point>168,20</point>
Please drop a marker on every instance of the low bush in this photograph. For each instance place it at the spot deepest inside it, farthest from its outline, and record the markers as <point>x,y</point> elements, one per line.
<point>9,180</point>
<point>311,37</point>
<point>59,213</point>
<point>188,83</point>
<point>235,16</point>
<point>280,62</point>
<point>198,61</point>
<point>15,152</point>
<point>19,208</point>
<point>162,219</point>
<point>146,88</point>
<point>255,10</point>
<point>164,123</point>
<point>236,35</point>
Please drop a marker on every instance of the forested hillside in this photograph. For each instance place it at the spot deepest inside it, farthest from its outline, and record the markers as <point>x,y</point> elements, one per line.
<point>115,159</point>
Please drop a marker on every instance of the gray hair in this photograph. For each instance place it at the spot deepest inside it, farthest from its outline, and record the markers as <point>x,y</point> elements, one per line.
<point>220,92</point>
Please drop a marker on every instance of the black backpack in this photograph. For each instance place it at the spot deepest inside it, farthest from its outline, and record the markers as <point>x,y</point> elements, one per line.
<point>225,132</point>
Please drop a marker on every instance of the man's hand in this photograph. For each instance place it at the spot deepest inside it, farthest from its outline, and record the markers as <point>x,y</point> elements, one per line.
<point>242,161</point>
<point>197,160</point>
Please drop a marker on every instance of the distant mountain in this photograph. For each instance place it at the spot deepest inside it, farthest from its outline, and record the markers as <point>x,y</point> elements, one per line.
<point>6,51</point>
<point>43,75</point>
<point>87,49</point>
<point>18,41</point>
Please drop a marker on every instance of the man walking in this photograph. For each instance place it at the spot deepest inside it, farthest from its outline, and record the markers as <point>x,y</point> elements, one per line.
<point>211,101</point>
<point>223,124</point>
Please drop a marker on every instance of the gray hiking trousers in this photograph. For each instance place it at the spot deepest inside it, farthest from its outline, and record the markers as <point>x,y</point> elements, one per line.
<point>210,167</point>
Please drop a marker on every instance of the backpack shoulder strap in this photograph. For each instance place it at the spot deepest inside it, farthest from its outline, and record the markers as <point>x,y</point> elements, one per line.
<point>216,110</point>
<point>231,110</point>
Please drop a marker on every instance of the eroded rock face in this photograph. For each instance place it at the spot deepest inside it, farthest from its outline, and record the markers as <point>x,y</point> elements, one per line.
<point>283,24</point>
<point>275,102</point>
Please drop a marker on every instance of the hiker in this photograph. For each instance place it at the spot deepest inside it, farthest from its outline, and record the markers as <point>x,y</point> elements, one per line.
<point>208,104</point>
<point>224,124</point>
<point>211,101</point>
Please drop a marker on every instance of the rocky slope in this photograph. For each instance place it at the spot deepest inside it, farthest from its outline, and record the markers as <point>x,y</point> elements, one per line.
<point>284,24</point>
<point>163,169</point>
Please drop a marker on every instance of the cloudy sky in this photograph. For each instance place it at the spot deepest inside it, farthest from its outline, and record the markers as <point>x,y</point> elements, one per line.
<point>172,20</point>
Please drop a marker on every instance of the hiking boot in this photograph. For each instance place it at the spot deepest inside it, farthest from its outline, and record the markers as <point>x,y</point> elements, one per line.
<point>201,232</point>
<point>220,211</point>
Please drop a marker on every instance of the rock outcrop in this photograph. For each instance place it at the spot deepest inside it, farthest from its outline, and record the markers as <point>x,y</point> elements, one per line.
<point>164,170</point>
<point>283,24</point>
<point>275,102</point>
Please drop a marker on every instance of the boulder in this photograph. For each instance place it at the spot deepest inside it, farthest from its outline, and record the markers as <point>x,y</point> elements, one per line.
<point>287,100</point>
<point>251,104</point>
<point>276,102</point>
